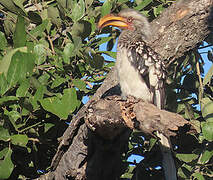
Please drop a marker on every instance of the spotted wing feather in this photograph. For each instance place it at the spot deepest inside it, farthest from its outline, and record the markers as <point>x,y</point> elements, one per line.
<point>151,68</point>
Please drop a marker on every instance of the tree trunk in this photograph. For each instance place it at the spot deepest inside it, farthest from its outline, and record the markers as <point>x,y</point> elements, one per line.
<point>92,146</point>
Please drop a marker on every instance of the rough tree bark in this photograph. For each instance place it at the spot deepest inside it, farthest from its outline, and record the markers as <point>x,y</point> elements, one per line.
<point>92,145</point>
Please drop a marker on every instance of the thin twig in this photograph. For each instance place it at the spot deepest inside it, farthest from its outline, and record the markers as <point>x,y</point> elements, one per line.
<point>31,36</point>
<point>89,84</point>
<point>33,139</point>
<point>12,18</point>
<point>51,44</point>
<point>200,80</point>
<point>210,45</point>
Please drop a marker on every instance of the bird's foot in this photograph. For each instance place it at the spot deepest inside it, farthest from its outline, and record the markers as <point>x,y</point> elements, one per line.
<point>123,97</point>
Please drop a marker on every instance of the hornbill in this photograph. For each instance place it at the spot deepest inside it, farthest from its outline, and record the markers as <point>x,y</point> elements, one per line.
<point>140,70</point>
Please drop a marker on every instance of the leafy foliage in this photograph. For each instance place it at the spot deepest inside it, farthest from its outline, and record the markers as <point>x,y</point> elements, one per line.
<point>50,60</point>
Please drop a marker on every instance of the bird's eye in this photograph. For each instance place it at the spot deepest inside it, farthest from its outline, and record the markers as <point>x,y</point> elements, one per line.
<point>129,19</point>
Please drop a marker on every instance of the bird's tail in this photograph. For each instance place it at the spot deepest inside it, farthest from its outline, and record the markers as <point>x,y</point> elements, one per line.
<point>168,161</point>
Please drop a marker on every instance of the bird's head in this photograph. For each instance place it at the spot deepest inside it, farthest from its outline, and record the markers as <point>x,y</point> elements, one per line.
<point>127,19</point>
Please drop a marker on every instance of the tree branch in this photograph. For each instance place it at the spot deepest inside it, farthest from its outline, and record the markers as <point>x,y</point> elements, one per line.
<point>108,117</point>
<point>92,150</point>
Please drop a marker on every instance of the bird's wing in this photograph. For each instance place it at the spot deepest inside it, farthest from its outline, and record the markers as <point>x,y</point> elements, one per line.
<point>151,68</point>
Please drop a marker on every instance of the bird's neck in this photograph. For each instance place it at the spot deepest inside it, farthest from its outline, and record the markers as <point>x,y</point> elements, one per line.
<point>128,38</point>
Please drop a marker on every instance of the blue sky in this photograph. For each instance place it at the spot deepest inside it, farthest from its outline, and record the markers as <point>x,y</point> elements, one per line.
<point>204,53</point>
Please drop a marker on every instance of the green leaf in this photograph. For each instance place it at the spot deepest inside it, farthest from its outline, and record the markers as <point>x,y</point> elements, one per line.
<point>102,40</point>
<point>129,174</point>
<point>64,4</point>
<point>68,52</point>
<point>11,6</point>
<point>5,62</point>
<point>40,53</point>
<point>158,10</point>
<point>143,4</point>
<point>122,1</point>
<point>57,82</point>
<point>207,130</point>
<point>196,125</point>
<point>3,41</point>
<point>19,139</point>
<point>80,84</point>
<point>14,116</point>
<point>3,152</point>
<point>78,10</point>
<point>35,17</point>
<point>70,99</point>
<point>21,65</point>
<point>4,134</point>
<point>19,3</point>
<point>77,44</point>
<point>38,30</point>
<point>187,157</point>
<point>81,28</point>
<point>9,25</point>
<point>110,44</point>
<point>97,61</point>
<point>40,92</point>
<point>130,146</point>
<point>206,156</point>
<point>7,98</point>
<point>106,8</point>
<point>189,113</point>
<point>52,104</point>
<point>61,106</point>
<point>183,172</point>
<point>38,96</point>
<point>47,126</point>
<point>208,76</point>
<point>109,53</point>
<point>6,165</point>
<point>207,109</point>
<point>152,143</point>
<point>53,14</point>
<point>198,176</point>
<point>44,78</point>
<point>23,89</point>
<point>19,37</point>
<point>30,46</point>
<point>93,24</point>
<point>3,84</point>
<point>88,3</point>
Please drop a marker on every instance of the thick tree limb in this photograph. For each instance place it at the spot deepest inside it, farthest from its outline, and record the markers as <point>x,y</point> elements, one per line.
<point>176,32</point>
<point>181,27</point>
<point>82,154</point>
<point>108,117</point>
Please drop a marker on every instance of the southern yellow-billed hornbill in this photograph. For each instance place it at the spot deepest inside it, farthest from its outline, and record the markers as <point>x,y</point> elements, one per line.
<point>141,71</point>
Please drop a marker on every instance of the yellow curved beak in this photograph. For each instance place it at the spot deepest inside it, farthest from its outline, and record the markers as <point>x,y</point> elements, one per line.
<point>112,20</point>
